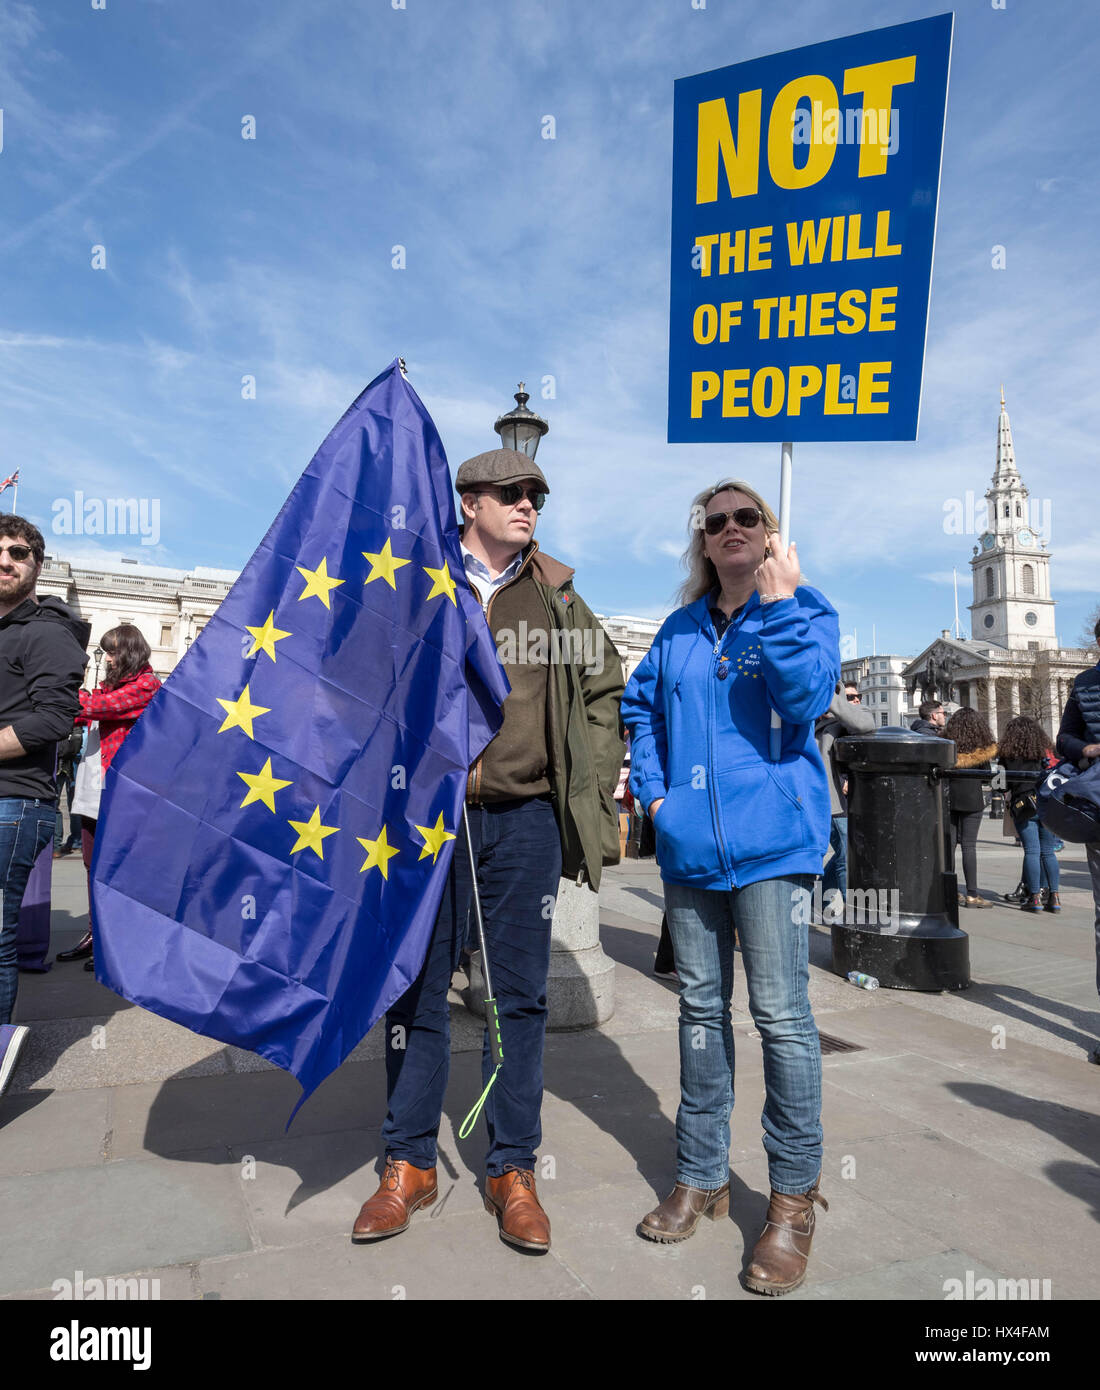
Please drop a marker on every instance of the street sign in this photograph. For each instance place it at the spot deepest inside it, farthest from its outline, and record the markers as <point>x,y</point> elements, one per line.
<point>804,192</point>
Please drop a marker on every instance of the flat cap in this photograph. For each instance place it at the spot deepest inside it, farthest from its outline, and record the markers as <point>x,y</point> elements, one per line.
<point>498,466</point>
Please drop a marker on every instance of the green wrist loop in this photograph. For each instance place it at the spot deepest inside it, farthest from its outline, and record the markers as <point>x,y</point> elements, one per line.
<point>497,1052</point>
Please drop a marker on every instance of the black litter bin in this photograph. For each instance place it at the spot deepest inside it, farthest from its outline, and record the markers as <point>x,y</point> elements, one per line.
<point>901,921</point>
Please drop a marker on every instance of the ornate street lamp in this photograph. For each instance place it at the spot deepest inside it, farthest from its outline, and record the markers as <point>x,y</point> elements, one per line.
<point>98,654</point>
<point>521,429</point>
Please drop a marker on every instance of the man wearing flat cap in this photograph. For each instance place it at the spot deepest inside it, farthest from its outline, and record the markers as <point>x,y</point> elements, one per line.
<point>540,803</point>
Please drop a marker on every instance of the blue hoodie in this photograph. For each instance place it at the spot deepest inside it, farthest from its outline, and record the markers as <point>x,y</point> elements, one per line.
<point>731,816</point>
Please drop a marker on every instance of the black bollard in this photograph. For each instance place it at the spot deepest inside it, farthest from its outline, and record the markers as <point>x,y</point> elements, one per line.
<point>901,920</point>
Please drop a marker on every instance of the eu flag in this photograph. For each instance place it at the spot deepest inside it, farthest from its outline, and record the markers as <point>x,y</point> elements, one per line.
<point>275,833</point>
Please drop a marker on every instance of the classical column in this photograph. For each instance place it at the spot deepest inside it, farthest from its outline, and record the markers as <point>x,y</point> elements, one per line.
<point>1055,691</point>
<point>1014,696</point>
<point>995,706</point>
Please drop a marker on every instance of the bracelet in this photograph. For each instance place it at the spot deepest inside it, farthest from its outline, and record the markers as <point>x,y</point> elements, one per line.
<point>774,598</point>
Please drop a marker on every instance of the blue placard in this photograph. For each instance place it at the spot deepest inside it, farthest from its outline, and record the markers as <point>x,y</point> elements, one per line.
<point>804,192</point>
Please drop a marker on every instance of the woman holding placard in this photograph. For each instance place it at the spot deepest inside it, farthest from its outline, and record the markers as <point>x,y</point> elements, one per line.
<point>740,838</point>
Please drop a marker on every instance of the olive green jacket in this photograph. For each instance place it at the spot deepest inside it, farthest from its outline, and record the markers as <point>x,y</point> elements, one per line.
<point>584,730</point>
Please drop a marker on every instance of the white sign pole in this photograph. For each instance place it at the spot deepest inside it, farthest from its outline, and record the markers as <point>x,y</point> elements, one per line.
<point>776,735</point>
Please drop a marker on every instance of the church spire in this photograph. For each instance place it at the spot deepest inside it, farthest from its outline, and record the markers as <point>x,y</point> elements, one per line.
<point>1004,471</point>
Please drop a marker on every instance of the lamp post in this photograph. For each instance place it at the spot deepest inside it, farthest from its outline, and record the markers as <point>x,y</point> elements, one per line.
<point>521,429</point>
<point>580,984</point>
<point>98,654</point>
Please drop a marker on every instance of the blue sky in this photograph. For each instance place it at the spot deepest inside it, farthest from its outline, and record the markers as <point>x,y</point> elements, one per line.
<point>525,258</point>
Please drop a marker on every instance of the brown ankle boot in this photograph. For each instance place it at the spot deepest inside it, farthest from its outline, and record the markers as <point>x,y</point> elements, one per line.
<point>403,1190</point>
<point>512,1199</point>
<point>678,1215</point>
<point>779,1258</point>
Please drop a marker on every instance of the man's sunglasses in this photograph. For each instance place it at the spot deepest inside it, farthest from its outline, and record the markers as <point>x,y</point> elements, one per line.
<point>855,699</point>
<point>19,553</point>
<point>745,517</point>
<point>510,493</point>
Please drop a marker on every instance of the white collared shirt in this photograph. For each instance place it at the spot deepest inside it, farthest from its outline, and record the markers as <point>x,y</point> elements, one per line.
<point>477,571</point>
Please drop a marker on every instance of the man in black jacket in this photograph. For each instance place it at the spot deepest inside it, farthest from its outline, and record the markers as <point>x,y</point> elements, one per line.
<point>1079,742</point>
<point>932,719</point>
<point>42,664</point>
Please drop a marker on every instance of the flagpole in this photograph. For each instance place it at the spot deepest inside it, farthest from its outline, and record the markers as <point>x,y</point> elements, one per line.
<point>492,1020</point>
<point>776,736</point>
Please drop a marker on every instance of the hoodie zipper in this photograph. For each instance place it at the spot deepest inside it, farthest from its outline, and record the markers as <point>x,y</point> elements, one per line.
<point>712,780</point>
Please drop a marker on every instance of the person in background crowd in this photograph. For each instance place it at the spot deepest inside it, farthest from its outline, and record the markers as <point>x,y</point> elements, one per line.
<point>125,690</point>
<point>1024,747</point>
<point>932,719</point>
<point>1019,894</point>
<point>974,747</point>
<point>740,839</point>
<point>664,963</point>
<point>844,716</point>
<point>68,755</point>
<point>42,663</point>
<point>1079,742</point>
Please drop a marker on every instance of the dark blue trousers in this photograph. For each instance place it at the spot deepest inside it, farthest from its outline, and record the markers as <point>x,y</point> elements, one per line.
<point>517,849</point>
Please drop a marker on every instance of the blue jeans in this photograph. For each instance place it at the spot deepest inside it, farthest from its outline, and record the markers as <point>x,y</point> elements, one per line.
<point>1038,843</point>
<point>518,852</point>
<point>775,953</point>
<point>26,827</point>
<point>836,870</point>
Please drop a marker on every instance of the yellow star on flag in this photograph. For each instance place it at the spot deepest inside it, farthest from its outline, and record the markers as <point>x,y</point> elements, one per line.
<point>318,583</point>
<point>311,833</point>
<point>264,638</point>
<point>435,837</point>
<point>384,565</point>
<point>379,853</point>
<point>442,583</point>
<point>240,713</point>
<point>262,786</point>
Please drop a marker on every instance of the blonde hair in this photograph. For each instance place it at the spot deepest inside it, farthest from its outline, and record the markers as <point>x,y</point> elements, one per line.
<point>702,577</point>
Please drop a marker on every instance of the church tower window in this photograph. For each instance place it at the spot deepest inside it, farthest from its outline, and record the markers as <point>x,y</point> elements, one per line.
<point>989,583</point>
<point>1028,580</point>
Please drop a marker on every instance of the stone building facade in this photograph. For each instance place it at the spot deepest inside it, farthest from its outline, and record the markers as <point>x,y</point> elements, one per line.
<point>169,607</point>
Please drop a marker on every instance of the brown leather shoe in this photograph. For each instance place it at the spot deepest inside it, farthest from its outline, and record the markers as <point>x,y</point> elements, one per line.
<point>779,1258</point>
<point>403,1190</point>
<point>678,1215</point>
<point>513,1201</point>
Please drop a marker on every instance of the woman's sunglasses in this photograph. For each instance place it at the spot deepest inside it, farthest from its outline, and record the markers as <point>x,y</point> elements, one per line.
<point>745,517</point>
<point>510,493</point>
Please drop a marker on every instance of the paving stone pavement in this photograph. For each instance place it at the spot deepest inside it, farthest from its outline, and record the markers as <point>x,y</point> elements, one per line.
<point>962,1134</point>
